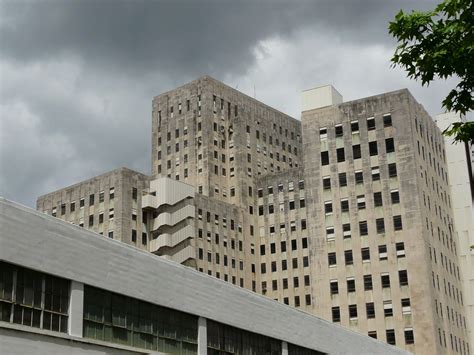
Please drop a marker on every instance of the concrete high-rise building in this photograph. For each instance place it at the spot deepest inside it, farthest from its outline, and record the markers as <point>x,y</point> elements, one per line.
<point>344,214</point>
<point>461,182</point>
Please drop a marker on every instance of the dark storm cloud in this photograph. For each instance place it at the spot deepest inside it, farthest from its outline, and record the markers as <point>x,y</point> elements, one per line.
<point>77,77</point>
<point>192,38</point>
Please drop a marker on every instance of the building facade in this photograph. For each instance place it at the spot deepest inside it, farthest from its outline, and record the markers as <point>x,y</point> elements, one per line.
<point>344,214</point>
<point>461,183</point>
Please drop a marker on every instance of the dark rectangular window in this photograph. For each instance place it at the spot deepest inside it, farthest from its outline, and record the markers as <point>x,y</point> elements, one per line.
<point>389,145</point>
<point>403,277</point>
<point>356,153</point>
<point>342,179</point>
<point>365,253</point>
<point>370,124</point>
<point>385,280</point>
<point>387,120</point>
<point>91,200</point>
<point>392,170</point>
<point>328,207</point>
<point>368,282</point>
<point>355,126</point>
<point>390,333</point>
<point>409,337</point>
<point>344,205</point>
<point>395,196</point>
<point>325,158</point>
<point>378,199</point>
<point>332,259</point>
<point>373,148</point>
<point>326,183</point>
<point>336,314</point>
<point>397,223</point>
<point>363,230</point>
<point>340,155</point>
<point>380,224</point>
<point>351,286</point>
<point>370,309</point>
<point>339,131</point>
<point>359,177</point>
<point>334,287</point>
<point>348,257</point>
<point>352,311</point>
<point>134,193</point>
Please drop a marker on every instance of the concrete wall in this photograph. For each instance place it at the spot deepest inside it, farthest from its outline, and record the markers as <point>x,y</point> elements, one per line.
<point>14,341</point>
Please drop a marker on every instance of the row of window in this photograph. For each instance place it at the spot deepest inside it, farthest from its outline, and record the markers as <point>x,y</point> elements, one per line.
<point>283,249</point>
<point>283,228</point>
<point>285,285</point>
<point>453,316</point>
<point>368,284</point>
<point>217,259</point>
<point>370,310</point>
<point>390,336</point>
<point>360,202</point>
<point>356,151</point>
<point>455,342</point>
<point>33,299</point>
<point>284,146</point>
<point>119,319</point>
<point>363,228</point>
<point>354,126</point>
<point>289,207</point>
<point>365,254</point>
<point>280,188</point>
<point>72,205</point>
<point>284,265</point>
<point>217,240</point>
<point>358,176</point>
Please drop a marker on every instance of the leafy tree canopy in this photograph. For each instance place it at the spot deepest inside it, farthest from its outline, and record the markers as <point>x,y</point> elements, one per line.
<point>440,43</point>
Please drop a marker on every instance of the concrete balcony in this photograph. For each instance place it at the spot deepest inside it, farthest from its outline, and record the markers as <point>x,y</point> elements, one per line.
<point>181,256</point>
<point>171,240</point>
<point>149,202</point>
<point>173,218</point>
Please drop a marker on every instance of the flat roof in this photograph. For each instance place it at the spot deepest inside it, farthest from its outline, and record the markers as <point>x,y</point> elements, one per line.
<point>34,240</point>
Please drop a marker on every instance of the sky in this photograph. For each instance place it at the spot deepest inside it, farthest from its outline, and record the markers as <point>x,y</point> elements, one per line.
<point>77,77</point>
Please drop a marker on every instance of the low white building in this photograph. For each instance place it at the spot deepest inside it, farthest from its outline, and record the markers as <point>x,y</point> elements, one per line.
<point>64,289</point>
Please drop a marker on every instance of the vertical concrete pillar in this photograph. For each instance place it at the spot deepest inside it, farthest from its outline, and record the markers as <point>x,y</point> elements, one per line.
<point>284,348</point>
<point>202,336</point>
<point>76,309</point>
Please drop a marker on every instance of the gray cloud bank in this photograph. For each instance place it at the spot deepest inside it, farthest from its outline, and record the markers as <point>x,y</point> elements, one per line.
<point>77,77</point>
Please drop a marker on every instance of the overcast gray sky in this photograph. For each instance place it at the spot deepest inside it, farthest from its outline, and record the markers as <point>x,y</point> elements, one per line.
<point>77,77</point>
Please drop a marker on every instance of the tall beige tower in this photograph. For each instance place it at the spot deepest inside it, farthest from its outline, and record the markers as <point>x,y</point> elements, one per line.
<point>384,251</point>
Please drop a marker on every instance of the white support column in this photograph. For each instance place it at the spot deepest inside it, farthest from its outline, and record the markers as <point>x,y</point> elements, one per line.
<point>202,336</point>
<point>76,309</point>
<point>284,348</point>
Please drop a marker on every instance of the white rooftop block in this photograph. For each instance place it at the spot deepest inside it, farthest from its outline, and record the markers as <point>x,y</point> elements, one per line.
<point>320,97</point>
